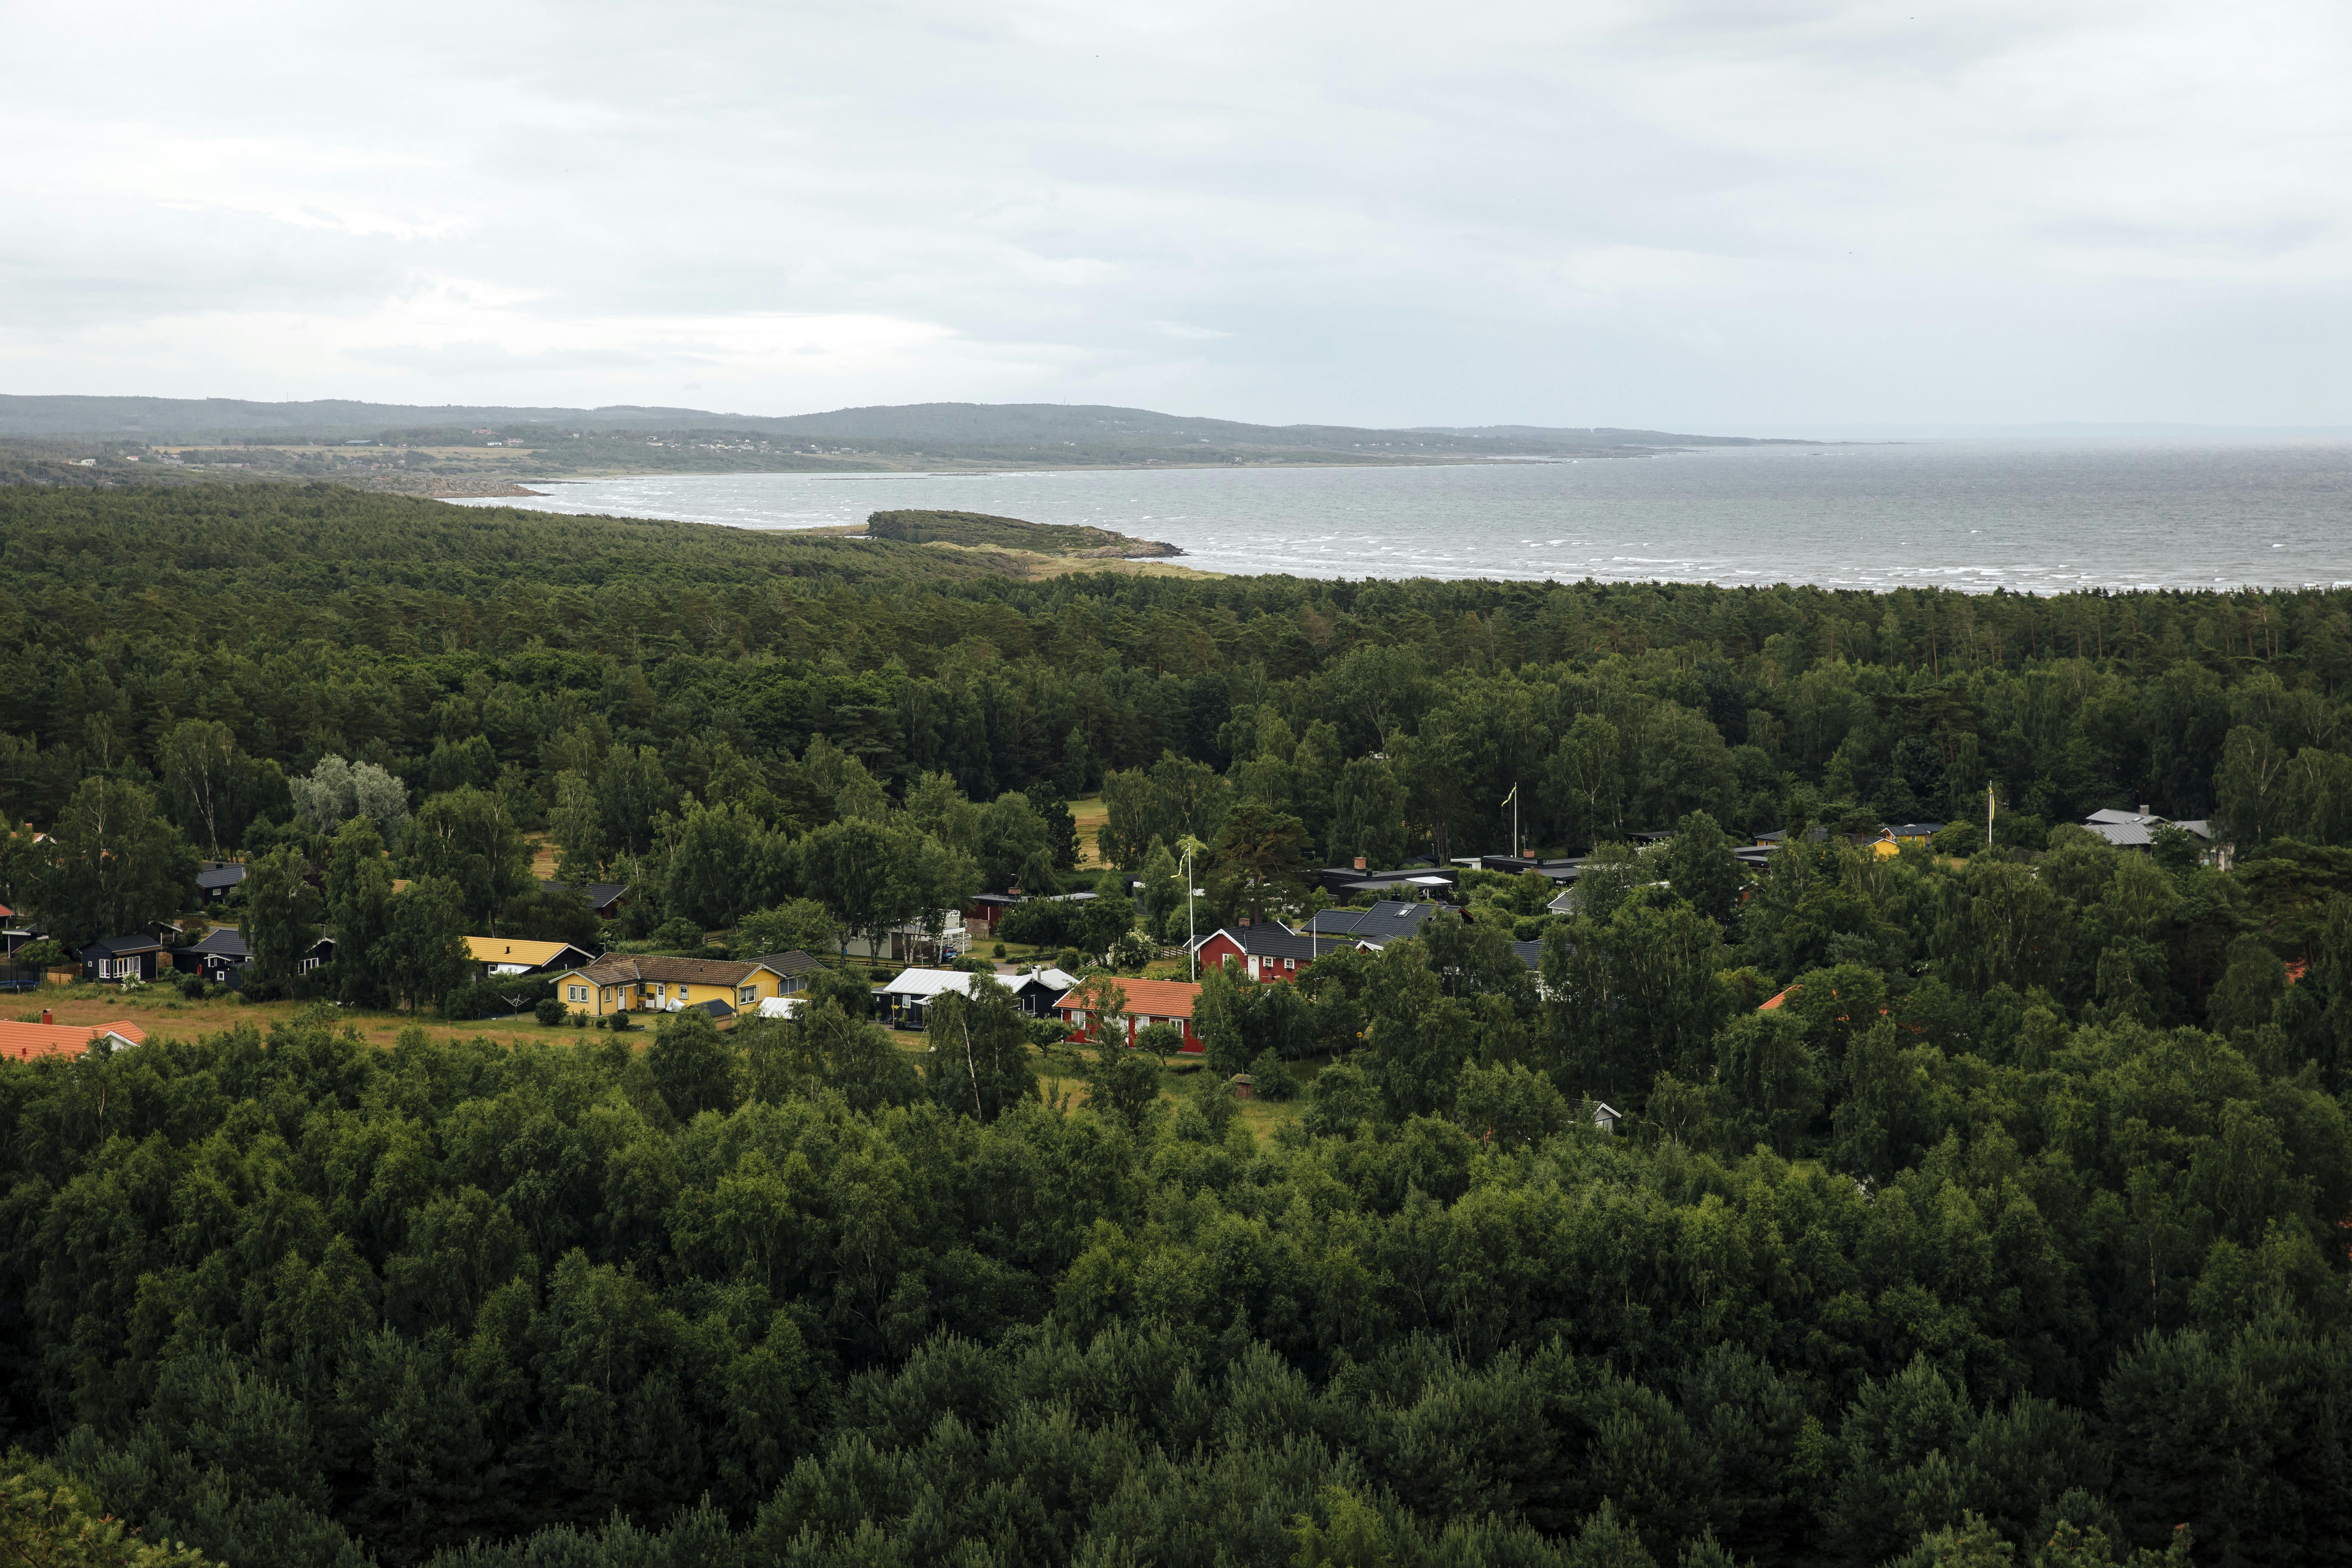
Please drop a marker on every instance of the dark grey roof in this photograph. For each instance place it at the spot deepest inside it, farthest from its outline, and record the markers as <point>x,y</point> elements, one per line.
<point>715,1009</point>
<point>792,963</point>
<point>597,894</point>
<point>1530,953</point>
<point>1389,917</point>
<point>213,877</point>
<point>119,946</point>
<point>222,942</point>
<point>1274,940</point>
<point>1916,830</point>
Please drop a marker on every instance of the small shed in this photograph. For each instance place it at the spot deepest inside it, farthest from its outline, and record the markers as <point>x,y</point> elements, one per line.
<point>1240,1086</point>
<point>1605,1116</point>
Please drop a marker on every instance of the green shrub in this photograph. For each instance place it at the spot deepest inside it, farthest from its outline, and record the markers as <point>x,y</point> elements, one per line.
<point>1271,1078</point>
<point>497,998</point>
<point>549,1011</point>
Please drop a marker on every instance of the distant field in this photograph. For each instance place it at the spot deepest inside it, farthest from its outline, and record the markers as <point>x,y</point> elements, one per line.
<point>162,1012</point>
<point>163,1015</point>
<point>1091,814</point>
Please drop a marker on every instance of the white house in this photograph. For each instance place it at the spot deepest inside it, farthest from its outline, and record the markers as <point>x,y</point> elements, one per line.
<point>915,941</point>
<point>908,998</point>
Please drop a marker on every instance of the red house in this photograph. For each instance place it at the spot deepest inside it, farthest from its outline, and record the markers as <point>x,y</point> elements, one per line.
<point>1272,950</point>
<point>985,910</point>
<point>1149,1002</point>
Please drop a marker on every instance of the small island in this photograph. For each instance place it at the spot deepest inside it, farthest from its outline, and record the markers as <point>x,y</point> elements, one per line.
<point>976,529</point>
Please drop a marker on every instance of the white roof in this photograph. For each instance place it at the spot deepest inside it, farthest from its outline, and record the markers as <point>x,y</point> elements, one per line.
<point>780,1006</point>
<point>1059,979</point>
<point>922,984</point>
<point>2126,829</point>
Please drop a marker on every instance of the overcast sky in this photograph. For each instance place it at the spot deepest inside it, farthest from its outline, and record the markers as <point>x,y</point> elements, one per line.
<point>1703,216</point>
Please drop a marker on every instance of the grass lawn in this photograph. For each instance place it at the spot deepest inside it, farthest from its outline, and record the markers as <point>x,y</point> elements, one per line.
<point>164,1014</point>
<point>161,1011</point>
<point>1090,814</point>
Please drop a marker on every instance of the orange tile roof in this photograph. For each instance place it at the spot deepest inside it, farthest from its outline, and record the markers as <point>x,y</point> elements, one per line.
<point>22,1042</point>
<point>1145,999</point>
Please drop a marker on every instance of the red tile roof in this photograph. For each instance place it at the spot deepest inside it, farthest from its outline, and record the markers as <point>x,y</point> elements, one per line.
<point>1145,999</point>
<point>22,1042</point>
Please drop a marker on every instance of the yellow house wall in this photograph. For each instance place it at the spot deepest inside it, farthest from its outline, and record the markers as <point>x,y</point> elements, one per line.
<point>603,1000</point>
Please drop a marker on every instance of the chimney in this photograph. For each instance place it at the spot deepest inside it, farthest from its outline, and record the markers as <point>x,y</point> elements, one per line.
<point>1245,919</point>
<point>44,1015</point>
<point>1359,862</point>
<point>2143,810</point>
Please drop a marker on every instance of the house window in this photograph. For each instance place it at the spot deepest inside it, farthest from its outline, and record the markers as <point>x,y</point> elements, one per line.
<point>576,992</point>
<point>1291,963</point>
<point>681,992</point>
<point>747,995</point>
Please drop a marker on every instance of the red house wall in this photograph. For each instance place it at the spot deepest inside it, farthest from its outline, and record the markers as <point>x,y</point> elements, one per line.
<point>1221,949</point>
<point>1192,1041</point>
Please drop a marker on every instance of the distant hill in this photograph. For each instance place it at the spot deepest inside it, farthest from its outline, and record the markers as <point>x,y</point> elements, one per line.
<point>1030,428</point>
<point>198,418</point>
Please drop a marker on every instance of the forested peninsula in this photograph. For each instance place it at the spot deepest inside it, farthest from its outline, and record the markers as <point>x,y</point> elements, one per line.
<point>1977,1195</point>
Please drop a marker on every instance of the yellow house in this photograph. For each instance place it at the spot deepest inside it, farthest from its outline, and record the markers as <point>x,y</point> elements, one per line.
<point>1904,836</point>
<point>628,982</point>
<point>503,956</point>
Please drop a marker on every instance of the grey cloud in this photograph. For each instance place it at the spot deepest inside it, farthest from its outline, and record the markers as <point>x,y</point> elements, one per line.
<point>1700,213</point>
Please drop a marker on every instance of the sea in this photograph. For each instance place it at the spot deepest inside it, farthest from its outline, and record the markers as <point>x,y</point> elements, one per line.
<point>2031,516</point>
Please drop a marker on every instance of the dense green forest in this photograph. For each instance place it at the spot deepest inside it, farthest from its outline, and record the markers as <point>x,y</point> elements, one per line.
<point>2013,1231</point>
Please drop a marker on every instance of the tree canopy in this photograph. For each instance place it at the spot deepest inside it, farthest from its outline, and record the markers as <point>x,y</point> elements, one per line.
<point>1977,1205</point>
